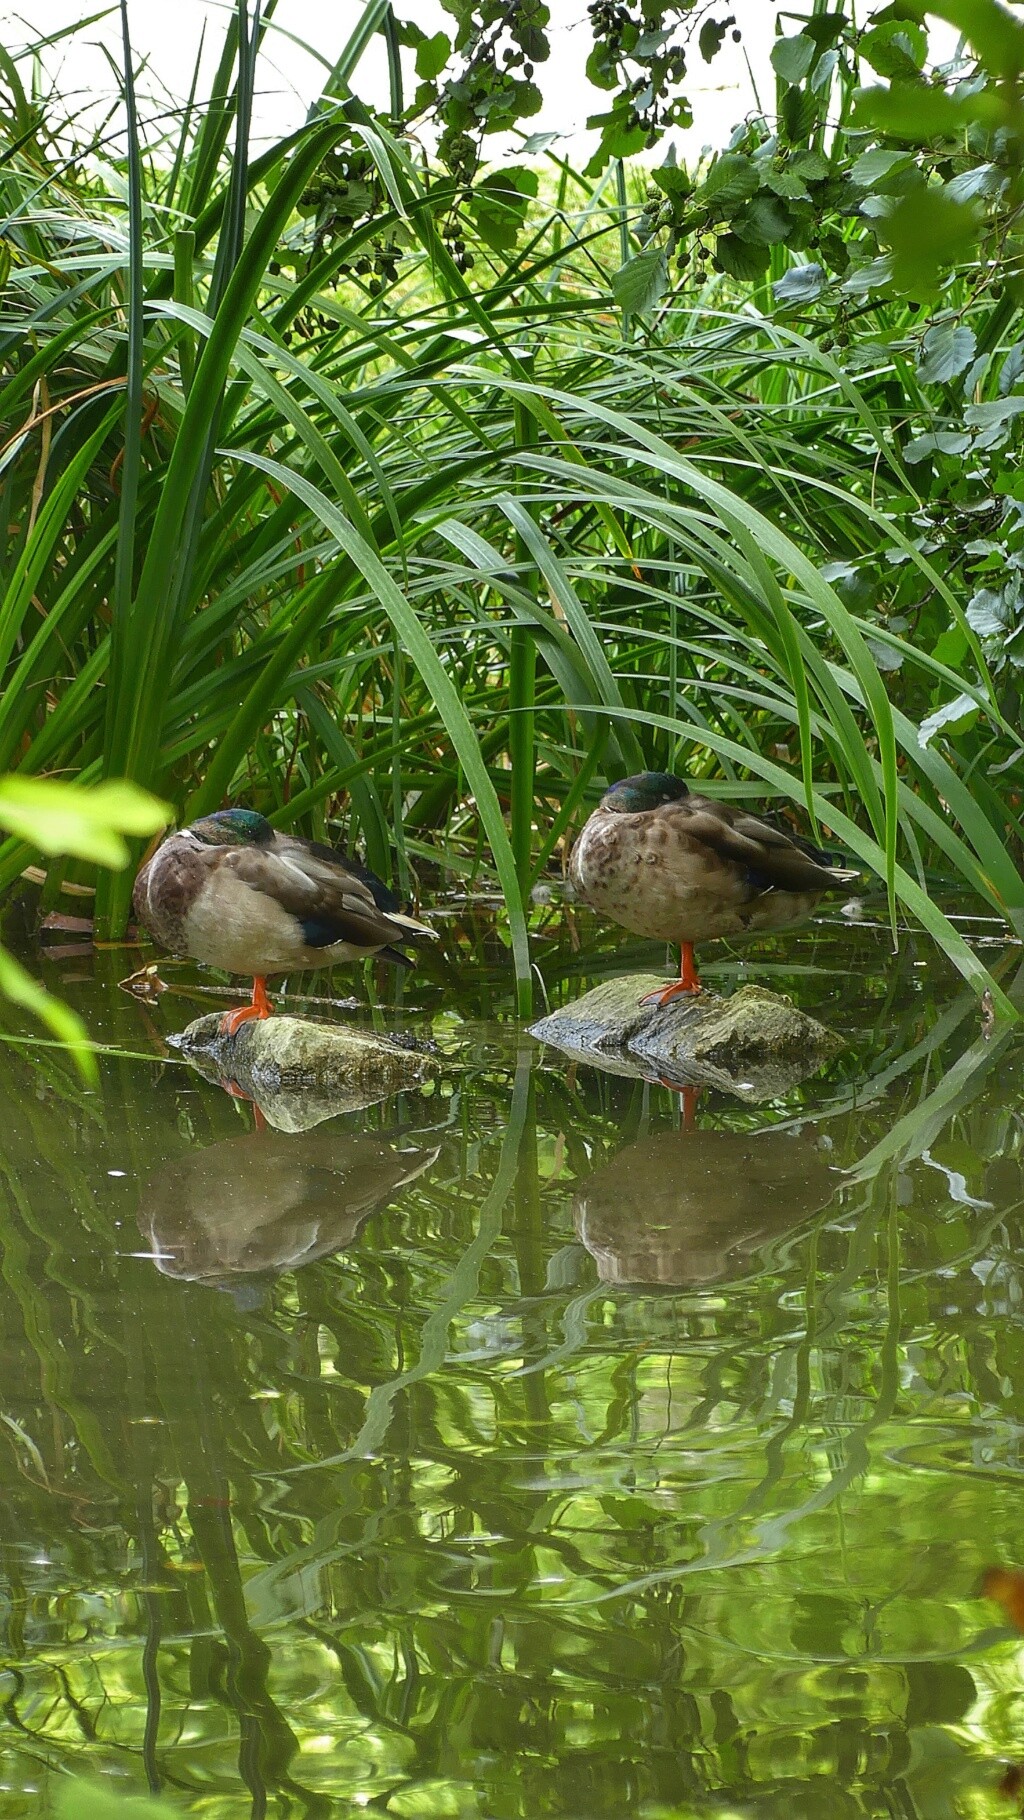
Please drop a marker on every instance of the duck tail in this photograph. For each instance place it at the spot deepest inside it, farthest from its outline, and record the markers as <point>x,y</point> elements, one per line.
<point>395,955</point>
<point>411,930</point>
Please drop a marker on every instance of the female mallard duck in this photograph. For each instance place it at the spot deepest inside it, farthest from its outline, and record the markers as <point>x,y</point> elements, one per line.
<point>234,893</point>
<point>686,869</point>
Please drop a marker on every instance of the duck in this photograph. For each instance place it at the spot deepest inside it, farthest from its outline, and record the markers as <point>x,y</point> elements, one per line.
<point>677,867</point>
<point>234,892</point>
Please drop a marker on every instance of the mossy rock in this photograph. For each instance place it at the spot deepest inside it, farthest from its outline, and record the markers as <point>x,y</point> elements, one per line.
<point>755,1044</point>
<point>299,1072</point>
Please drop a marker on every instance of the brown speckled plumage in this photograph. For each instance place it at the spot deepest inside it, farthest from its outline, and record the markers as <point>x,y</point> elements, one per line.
<point>686,869</point>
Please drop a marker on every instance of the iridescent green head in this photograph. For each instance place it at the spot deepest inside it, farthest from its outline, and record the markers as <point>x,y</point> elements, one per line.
<point>233,828</point>
<point>651,790</point>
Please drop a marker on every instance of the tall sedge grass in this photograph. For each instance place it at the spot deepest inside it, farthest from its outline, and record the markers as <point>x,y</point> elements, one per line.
<point>444,560</point>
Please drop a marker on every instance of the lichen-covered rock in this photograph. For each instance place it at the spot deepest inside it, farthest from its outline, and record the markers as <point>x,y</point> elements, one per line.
<point>299,1072</point>
<point>754,1044</point>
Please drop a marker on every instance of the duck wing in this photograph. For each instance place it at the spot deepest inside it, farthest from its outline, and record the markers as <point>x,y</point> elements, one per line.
<point>382,894</point>
<point>770,858</point>
<point>332,900</point>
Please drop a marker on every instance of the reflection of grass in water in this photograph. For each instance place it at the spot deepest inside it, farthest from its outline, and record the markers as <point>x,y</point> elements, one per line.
<point>720,1547</point>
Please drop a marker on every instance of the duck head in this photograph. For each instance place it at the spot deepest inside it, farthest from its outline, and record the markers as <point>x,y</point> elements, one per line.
<point>233,828</point>
<point>649,790</point>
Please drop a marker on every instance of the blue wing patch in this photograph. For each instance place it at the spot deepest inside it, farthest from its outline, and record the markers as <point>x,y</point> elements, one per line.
<point>317,932</point>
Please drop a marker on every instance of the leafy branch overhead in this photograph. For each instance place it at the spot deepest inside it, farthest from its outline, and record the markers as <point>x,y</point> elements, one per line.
<point>870,169</point>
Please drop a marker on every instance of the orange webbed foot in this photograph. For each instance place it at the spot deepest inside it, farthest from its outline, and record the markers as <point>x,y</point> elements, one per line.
<point>687,981</point>
<point>261,1007</point>
<point>663,995</point>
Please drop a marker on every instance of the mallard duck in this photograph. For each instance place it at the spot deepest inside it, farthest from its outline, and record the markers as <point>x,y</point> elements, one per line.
<point>687,869</point>
<point>233,892</point>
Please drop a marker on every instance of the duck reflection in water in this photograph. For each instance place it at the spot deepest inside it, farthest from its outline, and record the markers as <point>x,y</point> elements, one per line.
<point>694,1213</point>
<point>258,1205</point>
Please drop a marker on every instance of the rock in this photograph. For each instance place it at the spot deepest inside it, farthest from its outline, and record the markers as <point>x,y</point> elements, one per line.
<point>755,1044</point>
<point>298,1072</point>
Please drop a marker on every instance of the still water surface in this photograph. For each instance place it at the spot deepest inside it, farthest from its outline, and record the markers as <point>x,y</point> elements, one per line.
<point>507,1449</point>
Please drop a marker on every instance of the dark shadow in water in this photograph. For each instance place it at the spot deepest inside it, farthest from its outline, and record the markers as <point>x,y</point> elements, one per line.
<point>693,1208</point>
<point>264,1203</point>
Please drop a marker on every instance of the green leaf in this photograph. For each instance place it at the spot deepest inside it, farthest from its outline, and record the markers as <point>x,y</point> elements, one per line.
<point>741,258</point>
<point>792,57</point>
<point>765,220</point>
<point>939,442</point>
<point>872,168</point>
<point>948,349</point>
<point>458,726</point>
<point>638,285</point>
<point>63,1023</point>
<point>499,205</point>
<point>671,177</point>
<point>1012,368</point>
<point>912,111</point>
<point>927,233</point>
<point>954,717</point>
<point>984,180</point>
<point>801,284</point>
<point>86,821</point>
<point>993,411</point>
<point>432,55</point>
<point>732,178</point>
<point>986,614</point>
<point>786,183</point>
<point>813,167</point>
<point>711,36</point>
<point>990,28</point>
<point>799,113</point>
<point>620,136</point>
<point>896,48</point>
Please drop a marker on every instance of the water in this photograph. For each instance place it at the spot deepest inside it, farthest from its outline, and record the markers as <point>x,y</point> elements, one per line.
<point>507,1450</point>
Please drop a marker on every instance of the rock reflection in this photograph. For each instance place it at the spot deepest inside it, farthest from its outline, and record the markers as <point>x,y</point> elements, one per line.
<point>267,1202</point>
<point>692,1209</point>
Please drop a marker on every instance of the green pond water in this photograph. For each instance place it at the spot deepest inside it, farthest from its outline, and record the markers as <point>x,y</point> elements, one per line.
<point>508,1449</point>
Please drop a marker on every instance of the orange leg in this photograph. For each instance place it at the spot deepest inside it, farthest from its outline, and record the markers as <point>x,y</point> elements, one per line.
<point>239,1093</point>
<point>687,981</point>
<point>261,1006</point>
<point>688,1097</point>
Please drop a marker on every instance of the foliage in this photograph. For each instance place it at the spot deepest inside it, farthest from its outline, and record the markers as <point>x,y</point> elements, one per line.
<point>442,545</point>
<point>60,818</point>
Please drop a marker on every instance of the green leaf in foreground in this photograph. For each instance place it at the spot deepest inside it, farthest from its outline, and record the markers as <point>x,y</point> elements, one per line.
<point>88,822</point>
<point>927,233</point>
<point>638,284</point>
<point>792,57</point>
<point>801,284</point>
<point>948,349</point>
<point>63,1023</point>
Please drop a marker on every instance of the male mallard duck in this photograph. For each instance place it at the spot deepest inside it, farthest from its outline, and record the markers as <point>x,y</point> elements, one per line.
<point>686,869</point>
<point>233,892</point>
